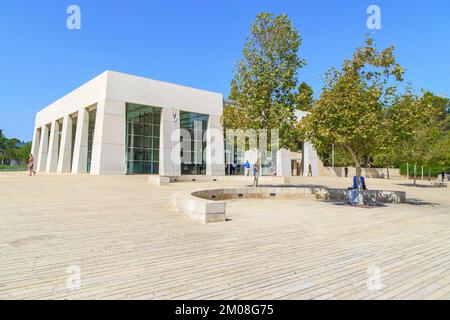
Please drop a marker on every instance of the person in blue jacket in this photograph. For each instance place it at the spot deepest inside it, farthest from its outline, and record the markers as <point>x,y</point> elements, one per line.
<point>247,168</point>
<point>355,182</point>
<point>353,191</point>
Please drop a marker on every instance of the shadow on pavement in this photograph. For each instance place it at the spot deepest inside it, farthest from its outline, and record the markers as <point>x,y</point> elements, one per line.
<point>419,185</point>
<point>418,202</point>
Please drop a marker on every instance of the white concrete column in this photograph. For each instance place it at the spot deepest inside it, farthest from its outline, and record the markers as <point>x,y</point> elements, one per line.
<point>284,164</point>
<point>169,143</point>
<point>66,146</point>
<point>310,158</point>
<point>215,153</point>
<point>43,150</point>
<point>52,157</point>
<point>108,149</point>
<point>79,164</point>
<point>252,156</point>
<point>35,144</point>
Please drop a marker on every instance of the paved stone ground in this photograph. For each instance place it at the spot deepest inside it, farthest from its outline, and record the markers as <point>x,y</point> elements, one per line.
<point>130,244</point>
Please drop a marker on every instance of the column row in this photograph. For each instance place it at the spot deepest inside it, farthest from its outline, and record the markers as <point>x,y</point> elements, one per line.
<point>63,144</point>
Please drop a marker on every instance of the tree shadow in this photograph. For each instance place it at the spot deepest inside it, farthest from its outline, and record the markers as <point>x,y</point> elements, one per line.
<point>420,185</point>
<point>365,206</point>
<point>418,202</point>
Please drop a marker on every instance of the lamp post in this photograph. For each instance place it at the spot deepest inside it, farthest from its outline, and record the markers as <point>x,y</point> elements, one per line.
<point>332,157</point>
<point>175,120</point>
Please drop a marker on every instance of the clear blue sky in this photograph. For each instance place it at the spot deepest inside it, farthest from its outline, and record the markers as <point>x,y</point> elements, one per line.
<point>196,43</point>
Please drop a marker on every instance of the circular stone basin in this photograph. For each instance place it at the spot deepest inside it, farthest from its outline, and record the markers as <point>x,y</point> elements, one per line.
<point>337,195</point>
<point>207,206</point>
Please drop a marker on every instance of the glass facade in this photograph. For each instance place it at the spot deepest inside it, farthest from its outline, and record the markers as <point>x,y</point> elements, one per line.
<point>142,139</point>
<point>268,163</point>
<point>234,159</point>
<point>91,130</point>
<point>194,126</point>
<point>74,134</point>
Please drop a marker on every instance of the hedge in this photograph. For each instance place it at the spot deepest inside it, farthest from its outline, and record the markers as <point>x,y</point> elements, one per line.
<point>435,170</point>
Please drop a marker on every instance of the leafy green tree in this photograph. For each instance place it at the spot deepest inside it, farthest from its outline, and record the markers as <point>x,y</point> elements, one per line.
<point>13,149</point>
<point>23,152</point>
<point>265,80</point>
<point>305,99</point>
<point>3,146</point>
<point>439,108</point>
<point>350,112</point>
<point>2,140</point>
<point>417,129</point>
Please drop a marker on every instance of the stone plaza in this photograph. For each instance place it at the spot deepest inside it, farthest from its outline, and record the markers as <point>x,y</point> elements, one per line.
<point>68,236</point>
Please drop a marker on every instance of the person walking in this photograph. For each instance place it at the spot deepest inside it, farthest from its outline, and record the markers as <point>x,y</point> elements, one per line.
<point>310,174</point>
<point>256,173</point>
<point>247,168</point>
<point>272,169</point>
<point>31,165</point>
<point>233,168</point>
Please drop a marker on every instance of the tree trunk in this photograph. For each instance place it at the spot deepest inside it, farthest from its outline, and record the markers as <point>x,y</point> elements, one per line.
<point>407,170</point>
<point>415,173</point>
<point>429,174</point>
<point>258,169</point>
<point>387,169</point>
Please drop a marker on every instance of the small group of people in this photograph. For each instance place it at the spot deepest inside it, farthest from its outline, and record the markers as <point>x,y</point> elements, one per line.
<point>443,175</point>
<point>248,166</point>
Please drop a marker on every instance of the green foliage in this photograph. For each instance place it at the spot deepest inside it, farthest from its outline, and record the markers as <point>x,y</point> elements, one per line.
<point>13,149</point>
<point>418,130</point>
<point>440,108</point>
<point>351,110</point>
<point>305,99</point>
<point>265,80</point>
<point>342,158</point>
<point>4,167</point>
<point>435,170</point>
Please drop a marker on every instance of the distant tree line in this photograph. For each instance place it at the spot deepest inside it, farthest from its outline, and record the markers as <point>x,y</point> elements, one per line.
<point>13,152</point>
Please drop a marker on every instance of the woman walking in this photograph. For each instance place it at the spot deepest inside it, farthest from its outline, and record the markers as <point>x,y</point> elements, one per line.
<point>31,165</point>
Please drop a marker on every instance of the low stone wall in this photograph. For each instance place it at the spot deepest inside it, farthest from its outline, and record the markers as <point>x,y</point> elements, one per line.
<point>371,197</point>
<point>439,185</point>
<point>338,195</point>
<point>252,193</point>
<point>209,205</point>
<point>199,210</point>
<point>158,180</point>
<point>379,173</point>
<point>204,178</point>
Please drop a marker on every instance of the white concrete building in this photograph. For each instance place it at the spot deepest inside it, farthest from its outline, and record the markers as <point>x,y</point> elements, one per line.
<point>123,124</point>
